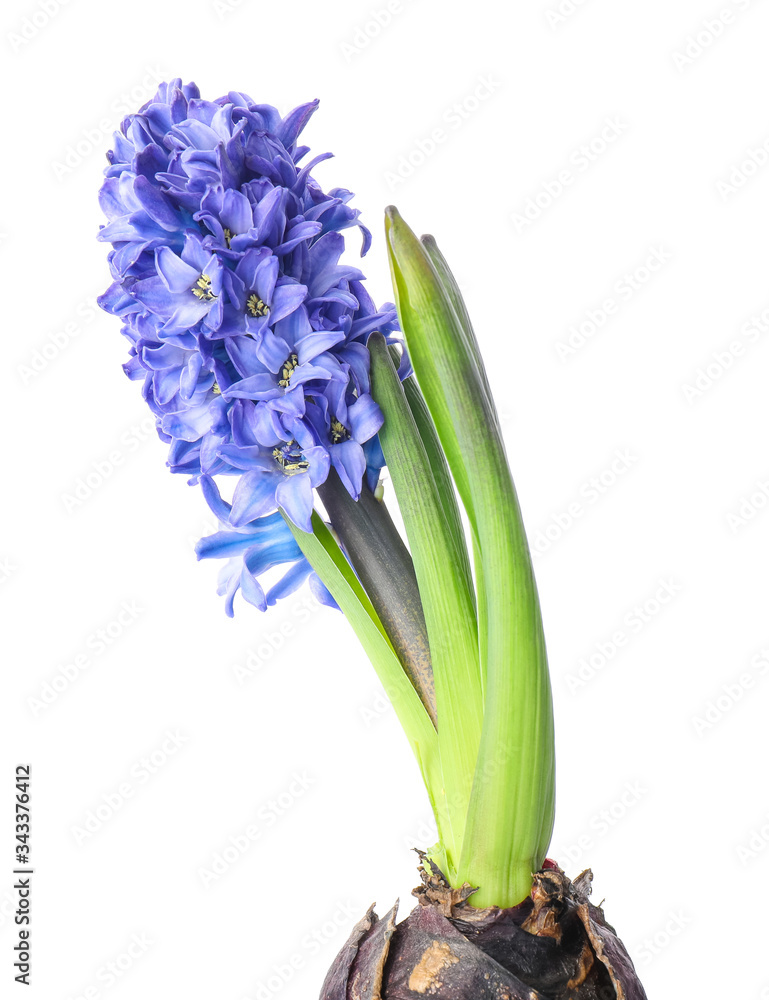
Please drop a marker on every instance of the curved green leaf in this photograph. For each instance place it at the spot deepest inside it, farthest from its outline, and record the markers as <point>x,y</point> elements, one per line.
<point>511,805</point>
<point>448,602</point>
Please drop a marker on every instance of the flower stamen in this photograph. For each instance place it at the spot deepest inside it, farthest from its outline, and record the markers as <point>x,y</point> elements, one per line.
<point>290,458</point>
<point>338,432</point>
<point>256,306</point>
<point>202,289</point>
<point>287,370</point>
<point>227,237</point>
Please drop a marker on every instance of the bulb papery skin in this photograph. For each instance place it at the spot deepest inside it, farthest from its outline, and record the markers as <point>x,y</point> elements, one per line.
<point>555,944</point>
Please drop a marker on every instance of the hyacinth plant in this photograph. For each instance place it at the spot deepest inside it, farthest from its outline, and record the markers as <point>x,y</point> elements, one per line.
<point>268,366</point>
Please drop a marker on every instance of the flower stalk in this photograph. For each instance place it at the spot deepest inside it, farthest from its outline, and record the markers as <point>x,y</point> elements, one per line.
<point>386,570</point>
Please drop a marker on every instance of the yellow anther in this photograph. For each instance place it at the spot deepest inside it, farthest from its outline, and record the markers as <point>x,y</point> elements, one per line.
<point>202,289</point>
<point>338,432</point>
<point>290,458</point>
<point>287,370</point>
<point>256,306</point>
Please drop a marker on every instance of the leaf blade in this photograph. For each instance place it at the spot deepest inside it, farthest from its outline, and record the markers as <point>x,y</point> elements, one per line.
<point>512,801</point>
<point>447,598</point>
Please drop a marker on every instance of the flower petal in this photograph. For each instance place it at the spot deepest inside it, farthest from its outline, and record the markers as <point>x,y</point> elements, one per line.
<point>236,214</point>
<point>177,276</point>
<point>365,418</point>
<point>294,495</point>
<point>350,463</point>
<point>254,497</point>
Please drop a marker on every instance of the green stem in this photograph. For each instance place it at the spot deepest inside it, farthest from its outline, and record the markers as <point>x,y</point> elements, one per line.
<point>329,562</point>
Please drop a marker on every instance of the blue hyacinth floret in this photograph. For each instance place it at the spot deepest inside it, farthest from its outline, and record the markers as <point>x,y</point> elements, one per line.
<point>248,334</point>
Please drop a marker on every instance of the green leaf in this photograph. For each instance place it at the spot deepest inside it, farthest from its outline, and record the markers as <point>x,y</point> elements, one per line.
<point>447,599</point>
<point>512,805</point>
<point>445,486</point>
<point>440,469</point>
<point>471,344</point>
<point>455,297</point>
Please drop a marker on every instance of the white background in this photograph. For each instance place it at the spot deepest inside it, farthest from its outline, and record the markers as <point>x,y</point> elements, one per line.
<point>666,809</point>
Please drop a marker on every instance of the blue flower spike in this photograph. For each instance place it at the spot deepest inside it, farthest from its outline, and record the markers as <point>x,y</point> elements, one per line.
<point>248,333</point>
